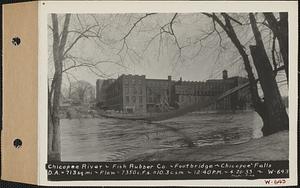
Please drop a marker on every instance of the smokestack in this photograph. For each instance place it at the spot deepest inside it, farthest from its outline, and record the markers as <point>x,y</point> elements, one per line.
<point>169,78</point>
<point>225,74</point>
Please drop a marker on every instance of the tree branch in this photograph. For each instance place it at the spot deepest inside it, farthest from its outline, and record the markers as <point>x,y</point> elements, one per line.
<point>81,34</point>
<point>131,29</point>
<point>134,25</point>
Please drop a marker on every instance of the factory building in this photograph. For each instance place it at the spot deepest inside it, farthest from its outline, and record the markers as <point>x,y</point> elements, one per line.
<point>136,94</point>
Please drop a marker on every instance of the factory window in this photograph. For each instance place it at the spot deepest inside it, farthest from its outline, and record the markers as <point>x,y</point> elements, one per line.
<point>134,90</point>
<point>140,82</point>
<point>126,90</point>
<point>140,90</point>
<point>150,99</point>
<point>125,81</point>
<point>133,81</point>
<point>127,99</point>
<point>133,99</point>
<point>140,99</point>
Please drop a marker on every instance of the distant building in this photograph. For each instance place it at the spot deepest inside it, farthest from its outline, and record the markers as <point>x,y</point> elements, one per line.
<point>101,86</point>
<point>188,93</point>
<point>136,94</point>
<point>159,94</point>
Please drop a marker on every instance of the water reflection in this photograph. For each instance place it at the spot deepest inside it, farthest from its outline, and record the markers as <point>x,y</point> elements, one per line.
<point>103,139</point>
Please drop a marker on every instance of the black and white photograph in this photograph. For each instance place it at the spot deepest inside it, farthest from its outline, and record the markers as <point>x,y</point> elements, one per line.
<point>148,87</point>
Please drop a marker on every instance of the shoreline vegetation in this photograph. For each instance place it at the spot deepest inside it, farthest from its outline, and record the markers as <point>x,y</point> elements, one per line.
<point>272,147</point>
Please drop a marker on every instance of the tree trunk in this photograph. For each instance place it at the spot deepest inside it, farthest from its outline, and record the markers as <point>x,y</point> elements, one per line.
<point>50,124</point>
<point>272,109</point>
<point>58,51</point>
<point>56,151</point>
<point>284,41</point>
<point>280,31</point>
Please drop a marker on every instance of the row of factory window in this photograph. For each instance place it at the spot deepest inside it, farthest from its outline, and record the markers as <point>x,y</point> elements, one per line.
<point>182,89</point>
<point>113,90</point>
<point>157,91</point>
<point>135,90</point>
<point>189,99</point>
<point>133,81</point>
<point>157,83</point>
<point>134,99</point>
<point>139,90</point>
<point>198,93</point>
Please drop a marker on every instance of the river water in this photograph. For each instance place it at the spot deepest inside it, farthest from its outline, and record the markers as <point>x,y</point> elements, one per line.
<point>105,139</point>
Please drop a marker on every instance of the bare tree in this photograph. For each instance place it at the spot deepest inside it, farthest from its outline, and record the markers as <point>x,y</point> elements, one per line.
<point>273,110</point>
<point>81,91</point>
<point>63,41</point>
<point>270,108</point>
<point>280,31</point>
<point>59,42</point>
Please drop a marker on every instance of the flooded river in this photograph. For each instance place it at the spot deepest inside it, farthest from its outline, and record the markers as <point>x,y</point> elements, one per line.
<point>104,139</point>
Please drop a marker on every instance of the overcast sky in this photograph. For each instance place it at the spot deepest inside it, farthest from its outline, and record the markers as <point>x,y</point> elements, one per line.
<point>193,54</point>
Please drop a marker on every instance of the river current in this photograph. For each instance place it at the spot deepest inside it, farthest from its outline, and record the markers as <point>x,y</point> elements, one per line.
<point>105,139</point>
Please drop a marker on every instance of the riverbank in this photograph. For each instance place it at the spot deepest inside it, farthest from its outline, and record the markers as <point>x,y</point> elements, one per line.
<point>273,147</point>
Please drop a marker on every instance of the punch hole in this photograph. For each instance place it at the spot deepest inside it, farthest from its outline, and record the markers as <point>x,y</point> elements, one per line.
<point>16,41</point>
<point>17,143</point>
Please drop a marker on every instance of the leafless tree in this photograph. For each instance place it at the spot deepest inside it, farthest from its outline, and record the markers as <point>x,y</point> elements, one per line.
<point>63,41</point>
<point>81,91</point>
<point>270,108</point>
<point>59,42</point>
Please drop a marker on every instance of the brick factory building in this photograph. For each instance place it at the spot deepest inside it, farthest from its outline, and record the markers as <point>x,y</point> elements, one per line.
<point>136,94</point>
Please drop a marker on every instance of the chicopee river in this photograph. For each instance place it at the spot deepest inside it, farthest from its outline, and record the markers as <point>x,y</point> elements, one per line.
<point>105,139</point>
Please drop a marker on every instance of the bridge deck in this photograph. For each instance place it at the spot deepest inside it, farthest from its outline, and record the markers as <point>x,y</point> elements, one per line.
<point>196,106</point>
<point>233,90</point>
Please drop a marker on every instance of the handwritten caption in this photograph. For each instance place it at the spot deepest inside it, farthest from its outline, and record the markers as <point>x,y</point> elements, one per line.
<point>166,170</point>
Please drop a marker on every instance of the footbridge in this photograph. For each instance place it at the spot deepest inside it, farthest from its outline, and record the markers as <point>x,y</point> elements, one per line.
<point>194,107</point>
